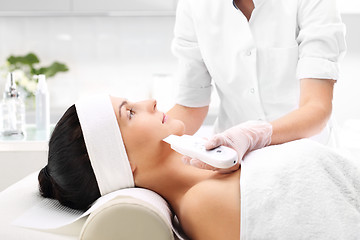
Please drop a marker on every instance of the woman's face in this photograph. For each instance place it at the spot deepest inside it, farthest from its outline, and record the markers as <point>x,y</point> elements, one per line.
<point>142,126</point>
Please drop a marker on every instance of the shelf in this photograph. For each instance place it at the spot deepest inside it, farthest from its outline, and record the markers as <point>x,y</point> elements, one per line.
<point>23,146</point>
<point>32,141</point>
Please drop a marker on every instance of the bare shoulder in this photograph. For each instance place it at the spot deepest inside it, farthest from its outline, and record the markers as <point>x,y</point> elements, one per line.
<point>211,209</point>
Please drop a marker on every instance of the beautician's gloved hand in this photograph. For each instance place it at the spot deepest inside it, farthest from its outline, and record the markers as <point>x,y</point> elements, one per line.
<point>244,138</point>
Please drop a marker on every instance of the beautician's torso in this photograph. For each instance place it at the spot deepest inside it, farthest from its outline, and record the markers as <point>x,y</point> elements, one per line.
<point>237,47</point>
<point>211,208</point>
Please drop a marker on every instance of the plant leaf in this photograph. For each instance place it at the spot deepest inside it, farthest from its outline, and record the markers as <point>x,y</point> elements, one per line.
<point>28,59</point>
<point>53,69</point>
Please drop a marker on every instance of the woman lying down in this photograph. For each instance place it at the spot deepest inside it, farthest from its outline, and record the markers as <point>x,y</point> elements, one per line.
<point>298,190</point>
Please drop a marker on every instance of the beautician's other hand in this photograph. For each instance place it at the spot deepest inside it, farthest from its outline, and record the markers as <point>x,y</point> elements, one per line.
<point>244,138</point>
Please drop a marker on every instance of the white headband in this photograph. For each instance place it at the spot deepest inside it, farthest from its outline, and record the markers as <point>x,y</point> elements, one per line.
<point>104,144</point>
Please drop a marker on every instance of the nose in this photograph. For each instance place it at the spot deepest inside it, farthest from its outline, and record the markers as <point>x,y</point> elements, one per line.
<point>151,105</point>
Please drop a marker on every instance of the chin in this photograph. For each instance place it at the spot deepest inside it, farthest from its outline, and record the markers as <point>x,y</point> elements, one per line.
<point>180,128</point>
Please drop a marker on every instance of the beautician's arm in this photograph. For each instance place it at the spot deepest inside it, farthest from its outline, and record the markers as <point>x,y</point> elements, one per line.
<point>193,118</point>
<point>309,119</point>
<point>312,115</point>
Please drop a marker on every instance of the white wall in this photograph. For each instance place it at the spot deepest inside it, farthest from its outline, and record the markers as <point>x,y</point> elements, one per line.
<point>123,55</point>
<point>347,89</point>
<point>116,54</point>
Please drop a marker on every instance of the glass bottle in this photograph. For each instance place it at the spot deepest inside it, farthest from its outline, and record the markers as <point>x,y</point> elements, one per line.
<point>13,110</point>
<point>42,109</point>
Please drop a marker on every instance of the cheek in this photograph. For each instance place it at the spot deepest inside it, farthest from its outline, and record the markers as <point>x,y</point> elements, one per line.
<point>136,142</point>
<point>148,132</point>
<point>145,132</point>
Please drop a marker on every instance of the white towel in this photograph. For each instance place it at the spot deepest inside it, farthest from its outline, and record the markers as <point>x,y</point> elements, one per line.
<point>300,190</point>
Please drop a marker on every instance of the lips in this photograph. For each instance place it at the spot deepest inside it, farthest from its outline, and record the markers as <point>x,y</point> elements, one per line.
<point>164,118</point>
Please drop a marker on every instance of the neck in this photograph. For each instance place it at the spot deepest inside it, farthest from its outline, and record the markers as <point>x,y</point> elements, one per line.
<point>172,178</point>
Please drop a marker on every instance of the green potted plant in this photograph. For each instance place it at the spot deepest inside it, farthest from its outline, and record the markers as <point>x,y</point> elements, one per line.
<point>26,67</point>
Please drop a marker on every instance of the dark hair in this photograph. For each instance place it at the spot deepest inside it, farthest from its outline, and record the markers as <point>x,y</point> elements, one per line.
<point>68,176</point>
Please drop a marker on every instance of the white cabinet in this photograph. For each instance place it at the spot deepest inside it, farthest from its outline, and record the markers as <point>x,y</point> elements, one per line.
<point>35,5</point>
<point>123,5</point>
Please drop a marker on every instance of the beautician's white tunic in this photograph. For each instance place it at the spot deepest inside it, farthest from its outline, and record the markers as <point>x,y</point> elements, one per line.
<point>256,66</point>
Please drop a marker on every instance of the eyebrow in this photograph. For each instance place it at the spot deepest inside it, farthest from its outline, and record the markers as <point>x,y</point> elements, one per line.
<point>121,105</point>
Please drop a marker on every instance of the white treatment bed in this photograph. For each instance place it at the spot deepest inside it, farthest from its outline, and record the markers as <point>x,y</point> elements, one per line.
<point>126,217</point>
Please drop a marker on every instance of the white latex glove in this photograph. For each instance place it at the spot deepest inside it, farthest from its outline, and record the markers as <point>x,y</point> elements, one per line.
<point>244,138</point>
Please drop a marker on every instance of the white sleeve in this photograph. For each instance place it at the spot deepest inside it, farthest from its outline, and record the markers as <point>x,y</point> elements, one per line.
<point>194,80</point>
<point>321,39</point>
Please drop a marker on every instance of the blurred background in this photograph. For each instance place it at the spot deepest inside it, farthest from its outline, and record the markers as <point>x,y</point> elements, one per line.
<point>122,47</point>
